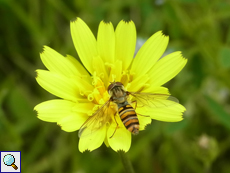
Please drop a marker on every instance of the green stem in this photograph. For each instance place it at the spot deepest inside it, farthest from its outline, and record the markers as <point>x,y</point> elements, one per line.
<point>126,162</point>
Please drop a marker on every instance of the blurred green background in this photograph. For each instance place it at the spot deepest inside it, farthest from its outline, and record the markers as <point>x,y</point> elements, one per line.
<point>198,28</point>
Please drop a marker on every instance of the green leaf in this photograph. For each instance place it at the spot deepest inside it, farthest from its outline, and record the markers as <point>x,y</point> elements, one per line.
<point>218,111</point>
<point>224,57</point>
<point>176,126</point>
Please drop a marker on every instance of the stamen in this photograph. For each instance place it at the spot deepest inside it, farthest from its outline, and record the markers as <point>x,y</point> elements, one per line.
<point>99,85</point>
<point>102,75</point>
<point>125,79</point>
<point>109,67</point>
<point>99,68</point>
<point>96,107</point>
<point>112,77</point>
<point>82,93</point>
<point>90,97</point>
<point>101,101</point>
<point>115,73</point>
<point>97,95</point>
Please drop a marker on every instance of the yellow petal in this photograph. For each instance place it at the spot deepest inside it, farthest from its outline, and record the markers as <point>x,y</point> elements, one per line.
<point>125,43</point>
<point>149,53</point>
<point>166,68</point>
<point>84,86</point>
<point>106,42</point>
<point>72,122</point>
<point>153,89</point>
<point>121,139</point>
<point>144,121</point>
<point>116,71</point>
<point>83,72</point>
<point>92,141</point>
<point>84,42</point>
<point>106,142</point>
<point>84,108</point>
<point>171,113</point>
<point>138,83</point>
<point>57,63</point>
<point>58,85</point>
<point>99,67</point>
<point>54,110</point>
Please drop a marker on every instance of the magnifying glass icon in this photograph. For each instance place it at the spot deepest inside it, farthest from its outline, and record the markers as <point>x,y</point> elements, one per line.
<point>9,160</point>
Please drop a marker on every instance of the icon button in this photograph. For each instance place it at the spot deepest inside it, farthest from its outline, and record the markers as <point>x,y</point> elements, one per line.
<point>9,160</point>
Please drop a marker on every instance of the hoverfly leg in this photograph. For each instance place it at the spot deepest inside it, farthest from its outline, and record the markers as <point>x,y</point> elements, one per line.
<point>143,115</point>
<point>136,107</point>
<point>114,132</point>
<point>116,126</point>
<point>135,104</point>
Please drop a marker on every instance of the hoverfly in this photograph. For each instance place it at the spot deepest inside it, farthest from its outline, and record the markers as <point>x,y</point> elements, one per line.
<point>127,113</point>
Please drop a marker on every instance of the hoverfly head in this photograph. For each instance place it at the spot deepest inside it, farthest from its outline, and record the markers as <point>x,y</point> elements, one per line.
<point>114,87</point>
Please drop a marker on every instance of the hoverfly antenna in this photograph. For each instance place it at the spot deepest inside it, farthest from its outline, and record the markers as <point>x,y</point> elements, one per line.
<point>112,82</point>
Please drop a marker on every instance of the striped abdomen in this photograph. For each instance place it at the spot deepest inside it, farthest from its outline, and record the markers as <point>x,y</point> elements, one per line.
<point>129,118</point>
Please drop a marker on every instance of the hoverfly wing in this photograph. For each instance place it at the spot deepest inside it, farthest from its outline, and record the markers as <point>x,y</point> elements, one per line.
<point>153,100</point>
<point>96,121</point>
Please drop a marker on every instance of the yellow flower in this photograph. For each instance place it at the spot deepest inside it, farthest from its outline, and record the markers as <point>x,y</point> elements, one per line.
<point>82,90</point>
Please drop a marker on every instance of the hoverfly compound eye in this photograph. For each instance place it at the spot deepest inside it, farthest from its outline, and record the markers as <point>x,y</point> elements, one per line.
<point>119,84</point>
<point>110,87</point>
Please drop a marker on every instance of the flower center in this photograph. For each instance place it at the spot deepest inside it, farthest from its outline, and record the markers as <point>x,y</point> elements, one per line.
<point>99,94</point>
